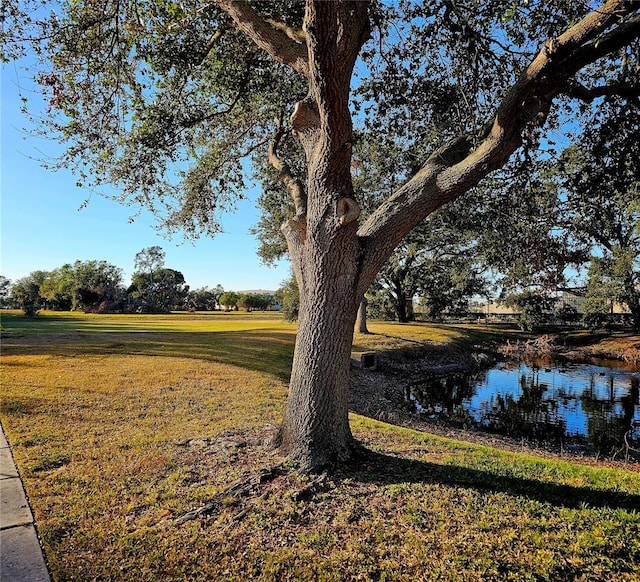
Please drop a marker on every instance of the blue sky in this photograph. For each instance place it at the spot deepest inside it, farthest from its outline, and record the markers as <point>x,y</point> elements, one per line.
<point>42,226</point>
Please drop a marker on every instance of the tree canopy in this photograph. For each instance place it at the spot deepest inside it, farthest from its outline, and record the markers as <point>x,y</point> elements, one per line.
<point>165,99</point>
<point>159,289</point>
<point>82,284</point>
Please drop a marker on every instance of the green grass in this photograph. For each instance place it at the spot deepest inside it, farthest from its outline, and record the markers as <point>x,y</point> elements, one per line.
<point>76,321</point>
<point>257,341</point>
<point>121,424</point>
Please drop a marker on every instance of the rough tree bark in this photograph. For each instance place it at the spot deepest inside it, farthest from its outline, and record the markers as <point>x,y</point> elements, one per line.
<point>334,260</point>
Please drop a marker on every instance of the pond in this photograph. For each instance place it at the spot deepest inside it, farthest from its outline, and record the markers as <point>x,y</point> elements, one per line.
<point>583,407</point>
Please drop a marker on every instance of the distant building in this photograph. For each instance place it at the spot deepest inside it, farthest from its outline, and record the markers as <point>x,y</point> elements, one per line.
<point>493,310</point>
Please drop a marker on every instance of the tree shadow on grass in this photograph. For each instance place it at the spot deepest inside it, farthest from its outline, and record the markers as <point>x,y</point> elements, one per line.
<point>374,467</point>
<point>404,348</point>
<point>264,350</point>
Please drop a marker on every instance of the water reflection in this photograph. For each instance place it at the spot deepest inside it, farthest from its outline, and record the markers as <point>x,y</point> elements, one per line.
<point>586,406</point>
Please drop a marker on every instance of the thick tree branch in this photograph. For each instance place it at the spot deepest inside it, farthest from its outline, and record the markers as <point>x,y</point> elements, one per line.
<point>274,38</point>
<point>295,34</point>
<point>294,187</point>
<point>336,32</point>
<point>456,167</point>
<point>614,39</point>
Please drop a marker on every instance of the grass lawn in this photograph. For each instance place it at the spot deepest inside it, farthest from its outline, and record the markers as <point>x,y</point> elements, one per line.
<point>121,425</point>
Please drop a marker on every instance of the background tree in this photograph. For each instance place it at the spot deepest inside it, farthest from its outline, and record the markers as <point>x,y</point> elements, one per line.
<point>148,261</point>
<point>58,288</point>
<point>204,299</point>
<point>26,291</point>
<point>259,301</point>
<point>599,187</point>
<point>289,298</point>
<point>98,284</point>
<point>439,262</point>
<point>162,292</point>
<point>83,285</point>
<point>451,284</point>
<point>380,305</point>
<point>246,301</point>
<point>549,218</point>
<point>217,293</point>
<point>516,222</point>
<point>229,300</point>
<point>535,308</point>
<point>138,89</point>
<point>601,293</point>
<point>5,291</point>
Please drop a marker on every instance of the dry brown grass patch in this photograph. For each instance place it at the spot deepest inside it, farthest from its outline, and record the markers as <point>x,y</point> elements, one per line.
<point>114,448</point>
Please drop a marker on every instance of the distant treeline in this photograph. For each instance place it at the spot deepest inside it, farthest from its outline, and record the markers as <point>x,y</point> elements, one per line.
<point>97,286</point>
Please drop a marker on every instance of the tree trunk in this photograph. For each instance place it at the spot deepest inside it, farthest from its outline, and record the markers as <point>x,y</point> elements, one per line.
<point>632,298</point>
<point>401,309</point>
<point>315,431</point>
<point>323,243</point>
<point>361,320</point>
<point>401,302</point>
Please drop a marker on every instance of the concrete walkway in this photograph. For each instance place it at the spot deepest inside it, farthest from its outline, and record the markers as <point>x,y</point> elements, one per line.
<point>21,557</point>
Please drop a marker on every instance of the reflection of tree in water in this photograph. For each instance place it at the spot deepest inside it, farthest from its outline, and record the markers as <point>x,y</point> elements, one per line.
<point>444,396</point>
<point>608,419</point>
<point>531,415</point>
<point>539,409</point>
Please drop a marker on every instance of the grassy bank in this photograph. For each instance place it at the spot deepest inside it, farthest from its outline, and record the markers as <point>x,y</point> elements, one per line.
<point>121,425</point>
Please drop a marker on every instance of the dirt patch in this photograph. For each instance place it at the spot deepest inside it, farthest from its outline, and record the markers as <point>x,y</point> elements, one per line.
<point>379,393</point>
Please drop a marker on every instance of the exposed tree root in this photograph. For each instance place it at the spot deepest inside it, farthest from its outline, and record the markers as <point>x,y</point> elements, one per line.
<point>238,492</point>
<point>320,483</point>
<point>246,492</point>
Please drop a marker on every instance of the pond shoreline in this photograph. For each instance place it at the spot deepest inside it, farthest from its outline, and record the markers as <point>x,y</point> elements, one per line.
<point>380,393</point>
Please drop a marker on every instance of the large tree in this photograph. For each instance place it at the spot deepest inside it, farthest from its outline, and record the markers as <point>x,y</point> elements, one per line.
<point>165,291</point>
<point>82,284</point>
<point>165,99</point>
<point>26,291</point>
